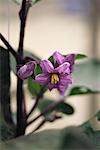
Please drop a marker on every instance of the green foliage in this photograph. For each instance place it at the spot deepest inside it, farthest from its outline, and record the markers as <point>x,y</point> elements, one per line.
<point>62,107</point>
<point>74,137</point>
<point>20,1</point>
<point>13,63</point>
<point>93,135</point>
<point>37,70</point>
<point>33,87</point>
<point>80,90</point>
<point>80,56</point>
<point>7,129</point>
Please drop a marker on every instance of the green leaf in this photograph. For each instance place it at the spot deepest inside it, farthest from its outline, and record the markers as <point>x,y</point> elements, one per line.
<point>55,139</point>
<point>37,70</point>
<point>62,107</point>
<point>33,87</point>
<point>13,63</point>
<point>80,56</point>
<point>80,90</point>
<point>7,129</point>
<point>93,135</point>
<point>37,141</point>
<point>51,59</point>
<point>65,108</point>
<point>20,1</point>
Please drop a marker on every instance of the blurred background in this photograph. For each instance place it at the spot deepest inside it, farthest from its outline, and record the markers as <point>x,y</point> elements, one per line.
<point>68,26</point>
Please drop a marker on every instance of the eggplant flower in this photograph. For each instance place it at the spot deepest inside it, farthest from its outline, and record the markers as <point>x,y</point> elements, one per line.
<point>26,70</point>
<point>58,77</point>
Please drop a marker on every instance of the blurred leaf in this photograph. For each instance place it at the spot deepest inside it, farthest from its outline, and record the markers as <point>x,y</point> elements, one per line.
<point>93,135</point>
<point>62,107</point>
<point>80,56</point>
<point>80,90</point>
<point>33,87</point>
<point>13,63</point>
<point>72,137</point>
<point>7,129</point>
<point>65,108</point>
<point>45,140</point>
<point>87,74</point>
<point>20,1</point>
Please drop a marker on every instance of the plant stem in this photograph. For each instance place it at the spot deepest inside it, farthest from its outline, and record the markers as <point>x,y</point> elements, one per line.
<point>10,49</point>
<point>47,110</point>
<point>21,108</point>
<point>39,126</point>
<point>40,95</point>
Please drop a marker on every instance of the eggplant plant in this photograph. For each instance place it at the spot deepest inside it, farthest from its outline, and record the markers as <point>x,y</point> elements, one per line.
<point>56,72</point>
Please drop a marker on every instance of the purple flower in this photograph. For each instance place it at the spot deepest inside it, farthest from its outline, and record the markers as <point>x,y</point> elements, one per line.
<point>26,70</point>
<point>60,59</point>
<point>58,77</point>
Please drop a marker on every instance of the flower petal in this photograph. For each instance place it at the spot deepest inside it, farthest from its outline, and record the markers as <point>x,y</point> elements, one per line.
<point>64,68</point>
<point>59,58</point>
<point>47,66</point>
<point>71,59</point>
<point>62,89</point>
<point>65,80</point>
<point>51,86</point>
<point>43,78</point>
<point>26,70</point>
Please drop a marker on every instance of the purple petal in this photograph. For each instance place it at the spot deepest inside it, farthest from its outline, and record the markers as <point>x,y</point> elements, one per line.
<point>65,80</point>
<point>64,68</point>
<point>26,70</point>
<point>59,58</point>
<point>47,66</point>
<point>43,78</point>
<point>62,89</point>
<point>51,86</point>
<point>71,59</point>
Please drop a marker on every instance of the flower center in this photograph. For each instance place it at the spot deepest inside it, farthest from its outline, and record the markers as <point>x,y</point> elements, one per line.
<point>54,78</point>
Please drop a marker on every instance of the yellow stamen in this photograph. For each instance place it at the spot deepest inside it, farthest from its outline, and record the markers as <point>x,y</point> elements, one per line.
<point>54,78</point>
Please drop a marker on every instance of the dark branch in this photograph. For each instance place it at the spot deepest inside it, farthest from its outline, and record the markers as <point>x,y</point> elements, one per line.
<point>47,110</point>
<point>11,50</point>
<point>39,126</point>
<point>23,17</point>
<point>21,108</point>
<point>36,102</point>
